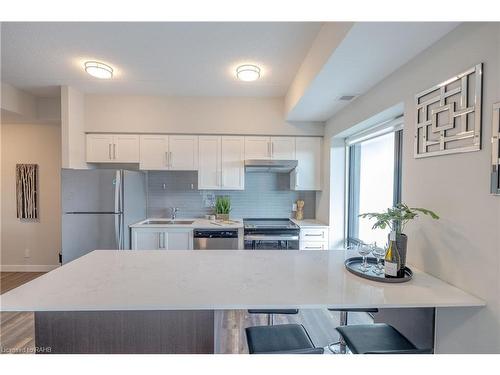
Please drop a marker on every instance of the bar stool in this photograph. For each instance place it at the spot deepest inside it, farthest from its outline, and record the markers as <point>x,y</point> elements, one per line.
<point>343,322</point>
<point>280,339</point>
<point>270,313</point>
<point>377,338</point>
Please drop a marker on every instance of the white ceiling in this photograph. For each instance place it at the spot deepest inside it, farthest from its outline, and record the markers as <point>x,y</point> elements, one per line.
<point>370,52</point>
<point>185,59</point>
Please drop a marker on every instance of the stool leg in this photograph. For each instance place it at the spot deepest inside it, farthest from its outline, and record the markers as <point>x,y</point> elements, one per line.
<point>343,322</point>
<point>270,319</point>
<point>342,347</point>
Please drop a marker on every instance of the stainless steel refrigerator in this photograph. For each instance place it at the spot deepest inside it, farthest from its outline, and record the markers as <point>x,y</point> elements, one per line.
<point>98,206</point>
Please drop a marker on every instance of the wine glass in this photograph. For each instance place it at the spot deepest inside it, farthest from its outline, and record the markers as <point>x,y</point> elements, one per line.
<point>379,253</point>
<point>364,250</point>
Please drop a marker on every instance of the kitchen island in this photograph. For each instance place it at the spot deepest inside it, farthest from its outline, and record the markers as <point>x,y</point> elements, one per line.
<point>164,301</point>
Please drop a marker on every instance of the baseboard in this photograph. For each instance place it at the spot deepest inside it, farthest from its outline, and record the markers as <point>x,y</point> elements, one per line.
<point>28,267</point>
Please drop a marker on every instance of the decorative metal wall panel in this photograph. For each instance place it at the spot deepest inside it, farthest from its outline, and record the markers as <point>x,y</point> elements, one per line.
<point>495,150</point>
<point>448,116</point>
<point>27,191</point>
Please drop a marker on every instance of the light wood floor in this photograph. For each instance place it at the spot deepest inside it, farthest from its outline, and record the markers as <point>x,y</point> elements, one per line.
<point>17,329</point>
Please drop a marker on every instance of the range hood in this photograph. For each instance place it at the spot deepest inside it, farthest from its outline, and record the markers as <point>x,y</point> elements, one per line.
<point>273,166</point>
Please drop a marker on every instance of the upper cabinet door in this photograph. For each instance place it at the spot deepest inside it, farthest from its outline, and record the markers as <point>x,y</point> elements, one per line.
<point>154,152</point>
<point>307,175</point>
<point>126,148</point>
<point>257,148</point>
<point>209,162</point>
<point>99,148</point>
<point>233,163</point>
<point>183,152</point>
<point>283,148</point>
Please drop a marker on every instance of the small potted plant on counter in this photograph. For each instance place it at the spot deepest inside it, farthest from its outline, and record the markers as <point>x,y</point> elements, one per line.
<point>222,208</point>
<point>395,219</point>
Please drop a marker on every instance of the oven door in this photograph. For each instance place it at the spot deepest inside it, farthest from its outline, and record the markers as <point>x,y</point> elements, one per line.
<point>271,242</point>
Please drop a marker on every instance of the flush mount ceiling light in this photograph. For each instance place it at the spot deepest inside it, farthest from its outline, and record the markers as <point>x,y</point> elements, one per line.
<point>99,70</point>
<point>248,73</point>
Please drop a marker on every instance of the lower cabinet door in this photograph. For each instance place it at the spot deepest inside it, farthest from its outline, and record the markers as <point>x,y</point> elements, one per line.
<point>178,240</point>
<point>143,239</point>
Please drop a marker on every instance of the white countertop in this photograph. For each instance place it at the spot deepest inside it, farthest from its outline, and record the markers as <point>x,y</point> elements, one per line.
<point>221,279</point>
<point>197,224</point>
<point>309,223</point>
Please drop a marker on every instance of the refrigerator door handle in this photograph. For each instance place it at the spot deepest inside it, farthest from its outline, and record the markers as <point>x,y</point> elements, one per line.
<point>118,209</point>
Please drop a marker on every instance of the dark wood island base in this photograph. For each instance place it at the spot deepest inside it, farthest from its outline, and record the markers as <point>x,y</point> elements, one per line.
<point>125,332</point>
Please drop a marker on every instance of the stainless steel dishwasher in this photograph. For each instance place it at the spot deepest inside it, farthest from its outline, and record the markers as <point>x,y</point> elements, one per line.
<point>216,239</point>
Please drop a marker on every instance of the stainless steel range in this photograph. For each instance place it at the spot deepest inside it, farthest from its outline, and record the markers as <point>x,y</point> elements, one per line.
<point>271,234</point>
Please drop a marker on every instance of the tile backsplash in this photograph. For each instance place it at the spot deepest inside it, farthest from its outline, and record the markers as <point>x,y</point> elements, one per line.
<point>265,195</point>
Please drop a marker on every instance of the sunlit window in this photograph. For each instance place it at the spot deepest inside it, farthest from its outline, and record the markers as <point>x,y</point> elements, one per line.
<point>374,183</point>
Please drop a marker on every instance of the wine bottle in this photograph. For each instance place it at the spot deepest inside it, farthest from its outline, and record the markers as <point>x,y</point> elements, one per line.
<point>392,260</point>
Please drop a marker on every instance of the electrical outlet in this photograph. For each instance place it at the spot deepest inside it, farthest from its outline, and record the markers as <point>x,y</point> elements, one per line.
<point>26,253</point>
<point>294,207</point>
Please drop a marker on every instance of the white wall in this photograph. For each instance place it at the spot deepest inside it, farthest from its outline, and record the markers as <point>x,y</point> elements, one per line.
<point>72,128</point>
<point>39,144</point>
<point>463,247</point>
<point>213,115</point>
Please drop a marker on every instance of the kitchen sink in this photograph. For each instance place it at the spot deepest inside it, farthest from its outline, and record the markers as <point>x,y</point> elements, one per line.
<point>166,222</point>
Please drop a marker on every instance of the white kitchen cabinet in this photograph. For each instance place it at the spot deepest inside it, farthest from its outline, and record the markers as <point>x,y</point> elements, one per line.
<point>112,148</point>
<point>169,152</point>
<point>209,162</point>
<point>183,152</point>
<point>178,239</point>
<point>313,245</point>
<point>145,239</point>
<point>314,238</point>
<point>277,148</point>
<point>257,148</point>
<point>283,148</point>
<point>232,163</point>
<point>307,175</point>
<point>99,148</point>
<point>221,163</point>
<point>162,239</point>
<point>154,152</point>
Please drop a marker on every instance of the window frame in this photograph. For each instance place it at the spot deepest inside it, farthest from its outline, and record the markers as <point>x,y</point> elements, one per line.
<point>353,147</point>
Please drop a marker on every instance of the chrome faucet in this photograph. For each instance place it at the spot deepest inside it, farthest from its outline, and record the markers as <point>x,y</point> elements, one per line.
<point>174,211</point>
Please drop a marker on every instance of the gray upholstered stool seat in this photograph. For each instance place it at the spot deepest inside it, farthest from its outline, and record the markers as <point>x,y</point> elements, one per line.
<point>342,348</point>
<point>280,339</point>
<point>377,338</point>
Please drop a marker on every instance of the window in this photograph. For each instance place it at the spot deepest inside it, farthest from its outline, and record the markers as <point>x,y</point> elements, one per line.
<point>374,180</point>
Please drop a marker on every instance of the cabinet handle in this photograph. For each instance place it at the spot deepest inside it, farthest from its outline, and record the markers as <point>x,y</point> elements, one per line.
<point>164,245</point>
<point>269,149</point>
<point>167,159</point>
<point>114,151</point>
<point>314,247</point>
<point>221,179</point>
<point>109,151</point>
<point>170,159</point>
<point>314,235</point>
<point>272,150</point>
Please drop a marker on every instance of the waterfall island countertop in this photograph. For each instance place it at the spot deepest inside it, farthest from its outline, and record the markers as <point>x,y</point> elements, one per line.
<point>211,280</point>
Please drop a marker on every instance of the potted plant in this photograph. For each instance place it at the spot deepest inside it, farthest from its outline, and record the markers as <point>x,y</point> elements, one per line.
<point>222,208</point>
<point>395,219</point>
